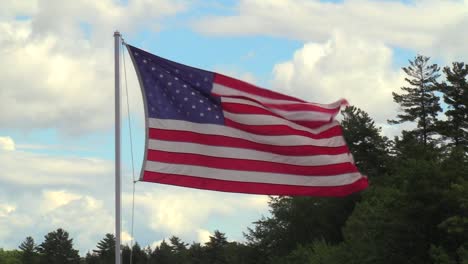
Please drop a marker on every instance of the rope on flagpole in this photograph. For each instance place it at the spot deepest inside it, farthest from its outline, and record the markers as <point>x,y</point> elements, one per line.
<point>131,154</point>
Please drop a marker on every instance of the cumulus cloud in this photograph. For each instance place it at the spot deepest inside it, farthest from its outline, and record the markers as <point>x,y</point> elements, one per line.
<point>203,235</point>
<point>345,66</point>
<point>417,25</point>
<point>26,168</point>
<point>40,193</point>
<point>181,211</point>
<point>57,64</point>
<point>7,143</point>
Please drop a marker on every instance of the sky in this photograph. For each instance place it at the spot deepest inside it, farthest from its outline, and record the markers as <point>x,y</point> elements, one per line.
<point>57,97</point>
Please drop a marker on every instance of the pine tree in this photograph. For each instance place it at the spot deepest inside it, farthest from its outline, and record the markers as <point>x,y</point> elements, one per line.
<point>419,103</point>
<point>29,250</point>
<point>215,248</point>
<point>57,248</point>
<point>455,92</point>
<point>368,147</point>
<point>106,249</point>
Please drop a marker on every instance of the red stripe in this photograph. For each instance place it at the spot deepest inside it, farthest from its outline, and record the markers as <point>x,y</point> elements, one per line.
<point>249,165</point>
<point>253,188</point>
<point>278,130</point>
<point>224,141</point>
<point>290,106</point>
<point>249,109</point>
<point>250,88</point>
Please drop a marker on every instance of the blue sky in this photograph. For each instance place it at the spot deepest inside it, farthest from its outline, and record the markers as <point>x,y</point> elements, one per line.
<point>56,100</point>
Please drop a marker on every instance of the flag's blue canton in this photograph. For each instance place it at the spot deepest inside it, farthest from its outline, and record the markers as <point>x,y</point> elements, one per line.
<point>176,91</point>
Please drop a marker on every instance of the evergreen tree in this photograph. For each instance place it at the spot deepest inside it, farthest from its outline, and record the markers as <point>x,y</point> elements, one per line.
<point>57,248</point>
<point>419,103</point>
<point>366,144</point>
<point>215,248</point>
<point>196,254</point>
<point>106,249</point>
<point>162,254</point>
<point>29,249</point>
<point>456,97</point>
<point>138,255</point>
<point>179,249</point>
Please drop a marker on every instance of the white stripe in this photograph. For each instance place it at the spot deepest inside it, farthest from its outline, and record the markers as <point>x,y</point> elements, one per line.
<point>221,130</point>
<point>239,153</point>
<point>249,176</point>
<point>258,120</point>
<point>227,91</point>
<point>291,115</point>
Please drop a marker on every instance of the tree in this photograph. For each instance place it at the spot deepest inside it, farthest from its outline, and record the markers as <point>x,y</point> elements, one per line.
<point>29,249</point>
<point>419,103</point>
<point>455,94</point>
<point>366,144</point>
<point>215,248</point>
<point>106,249</point>
<point>162,254</point>
<point>10,256</point>
<point>299,221</point>
<point>57,248</point>
<point>179,249</point>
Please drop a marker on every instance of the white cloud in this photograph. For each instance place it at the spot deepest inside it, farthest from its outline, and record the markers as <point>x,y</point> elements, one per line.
<point>27,168</point>
<point>57,64</point>
<point>7,143</point>
<point>419,25</point>
<point>203,236</point>
<point>347,67</point>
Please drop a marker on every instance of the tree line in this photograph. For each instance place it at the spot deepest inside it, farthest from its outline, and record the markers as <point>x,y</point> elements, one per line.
<point>414,212</point>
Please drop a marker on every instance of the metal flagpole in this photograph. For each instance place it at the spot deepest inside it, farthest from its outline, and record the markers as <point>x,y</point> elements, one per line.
<point>117,146</point>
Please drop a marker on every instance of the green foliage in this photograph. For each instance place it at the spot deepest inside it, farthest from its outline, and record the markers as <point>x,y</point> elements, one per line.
<point>299,221</point>
<point>420,103</point>
<point>57,248</point>
<point>368,147</point>
<point>10,256</point>
<point>29,251</point>
<point>455,94</point>
<point>106,249</point>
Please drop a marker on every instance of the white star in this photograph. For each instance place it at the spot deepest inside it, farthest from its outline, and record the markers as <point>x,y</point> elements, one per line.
<point>198,84</point>
<point>193,93</point>
<point>175,78</point>
<point>145,61</point>
<point>177,91</point>
<point>190,75</point>
<point>185,99</point>
<point>209,108</point>
<point>201,101</point>
<point>217,117</point>
<point>185,86</point>
<point>201,114</point>
<point>136,53</point>
<point>193,106</point>
<point>177,70</point>
<point>153,68</point>
<point>169,83</point>
<point>160,75</point>
<point>206,79</point>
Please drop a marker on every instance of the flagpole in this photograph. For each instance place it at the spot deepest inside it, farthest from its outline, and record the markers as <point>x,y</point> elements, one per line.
<point>117,146</point>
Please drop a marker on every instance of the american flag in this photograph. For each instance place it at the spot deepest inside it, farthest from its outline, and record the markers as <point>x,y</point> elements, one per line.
<point>210,131</point>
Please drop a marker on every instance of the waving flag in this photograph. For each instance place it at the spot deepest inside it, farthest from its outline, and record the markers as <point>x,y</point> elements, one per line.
<point>209,131</point>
